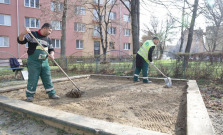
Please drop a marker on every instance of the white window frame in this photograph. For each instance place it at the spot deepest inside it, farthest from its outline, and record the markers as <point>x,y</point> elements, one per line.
<point>112,30</point>
<point>29,3</point>
<point>127,46</point>
<point>79,43</point>
<point>112,16</point>
<point>5,1</point>
<point>57,25</point>
<point>79,27</point>
<point>7,20</point>
<point>79,10</point>
<point>127,32</point>
<point>112,2</point>
<point>56,6</point>
<point>96,31</point>
<point>126,18</point>
<point>101,2</point>
<point>26,45</point>
<point>54,43</point>
<point>95,15</point>
<point>127,3</point>
<point>37,22</point>
<point>5,42</point>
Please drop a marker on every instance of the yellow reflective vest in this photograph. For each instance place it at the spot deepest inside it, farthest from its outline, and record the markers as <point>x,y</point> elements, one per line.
<point>144,49</point>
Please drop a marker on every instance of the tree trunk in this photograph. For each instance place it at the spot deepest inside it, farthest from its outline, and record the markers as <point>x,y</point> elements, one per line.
<point>215,37</point>
<point>135,24</point>
<point>182,30</point>
<point>191,30</point>
<point>63,37</point>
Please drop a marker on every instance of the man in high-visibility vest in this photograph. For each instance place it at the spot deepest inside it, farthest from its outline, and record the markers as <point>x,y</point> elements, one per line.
<point>143,57</point>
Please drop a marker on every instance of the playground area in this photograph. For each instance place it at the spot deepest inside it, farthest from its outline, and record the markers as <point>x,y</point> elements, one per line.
<point>147,106</point>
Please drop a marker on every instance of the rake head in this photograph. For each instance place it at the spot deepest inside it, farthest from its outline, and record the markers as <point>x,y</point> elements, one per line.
<point>168,82</point>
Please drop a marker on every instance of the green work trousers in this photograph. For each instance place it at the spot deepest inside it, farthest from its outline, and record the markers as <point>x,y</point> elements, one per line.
<point>145,70</point>
<point>38,68</point>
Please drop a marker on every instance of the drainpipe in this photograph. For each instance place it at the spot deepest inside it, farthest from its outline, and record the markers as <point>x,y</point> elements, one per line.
<point>17,4</point>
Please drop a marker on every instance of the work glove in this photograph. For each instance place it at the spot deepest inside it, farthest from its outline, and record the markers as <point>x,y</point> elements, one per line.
<point>151,63</point>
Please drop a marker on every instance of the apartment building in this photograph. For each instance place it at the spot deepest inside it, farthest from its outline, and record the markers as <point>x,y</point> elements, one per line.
<point>213,41</point>
<point>197,45</point>
<point>82,35</point>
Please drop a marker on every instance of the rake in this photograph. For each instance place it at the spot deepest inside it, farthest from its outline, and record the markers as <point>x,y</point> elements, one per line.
<point>167,79</point>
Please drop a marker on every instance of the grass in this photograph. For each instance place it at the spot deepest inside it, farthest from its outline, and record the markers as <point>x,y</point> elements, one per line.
<point>171,68</point>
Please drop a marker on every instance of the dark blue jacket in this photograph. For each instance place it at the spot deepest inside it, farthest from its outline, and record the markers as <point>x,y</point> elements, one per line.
<point>14,63</point>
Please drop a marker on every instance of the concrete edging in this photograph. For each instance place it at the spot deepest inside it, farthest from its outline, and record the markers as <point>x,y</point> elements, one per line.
<point>198,121</point>
<point>72,122</point>
<point>12,88</point>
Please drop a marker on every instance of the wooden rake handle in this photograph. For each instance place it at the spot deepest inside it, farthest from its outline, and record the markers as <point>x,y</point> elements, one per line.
<point>159,70</point>
<point>54,61</point>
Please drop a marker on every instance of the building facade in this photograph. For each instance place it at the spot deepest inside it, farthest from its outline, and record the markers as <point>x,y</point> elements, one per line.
<point>82,35</point>
<point>197,45</point>
<point>214,40</point>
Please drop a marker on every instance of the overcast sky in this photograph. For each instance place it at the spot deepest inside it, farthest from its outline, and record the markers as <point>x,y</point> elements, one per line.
<point>147,9</point>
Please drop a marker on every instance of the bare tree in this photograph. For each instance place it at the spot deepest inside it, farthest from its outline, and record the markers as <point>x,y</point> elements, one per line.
<point>60,11</point>
<point>214,14</point>
<point>163,31</point>
<point>64,27</point>
<point>191,29</point>
<point>134,12</point>
<point>102,14</point>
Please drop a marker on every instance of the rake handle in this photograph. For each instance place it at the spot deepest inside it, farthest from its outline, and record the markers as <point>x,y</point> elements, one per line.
<point>54,61</point>
<point>159,70</point>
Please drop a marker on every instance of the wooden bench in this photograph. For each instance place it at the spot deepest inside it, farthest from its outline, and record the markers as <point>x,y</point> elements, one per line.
<point>6,63</point>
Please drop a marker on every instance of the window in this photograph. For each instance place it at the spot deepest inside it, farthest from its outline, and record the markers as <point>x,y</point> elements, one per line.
<point>26,45</point>
<point>79,27</point>
<point>5,20</point>
<point>111,1</point>
<point>95,14</point>
<point>56,43</point>
<point>5,1</point>
<point>32,22</point>
<point>112,16</point>
<point>127,3</point>
<point>32,3</point>
<point>56,6</point>
<point>111,45</point>
<point>96,31</point>
<point>79,44</point>
<point>4,41</point>
<point>57,25</point>
<point>79,10</point>
<point>126,46</point>
<point>126,32</point>
<point>112,30</point>
<point>96,1</point>
<point>126,18</point>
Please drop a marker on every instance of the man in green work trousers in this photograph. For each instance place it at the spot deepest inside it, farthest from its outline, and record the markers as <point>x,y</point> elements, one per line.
<point>37,62</point>
<point>143,57</point>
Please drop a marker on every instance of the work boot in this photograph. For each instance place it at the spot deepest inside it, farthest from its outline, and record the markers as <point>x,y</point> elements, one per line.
<point>29,99</point>
<point>136,80</point>
<point>54,97</point>
<point>148,81</point>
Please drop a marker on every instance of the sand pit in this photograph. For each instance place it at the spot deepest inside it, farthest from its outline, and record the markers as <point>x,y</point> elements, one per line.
<point>114,99</point>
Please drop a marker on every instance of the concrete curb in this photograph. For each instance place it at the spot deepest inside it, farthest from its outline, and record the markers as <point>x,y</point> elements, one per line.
<point>198,121</point>
<point>154,78</point>
<point>16,87</point>
<point>72,122</point>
